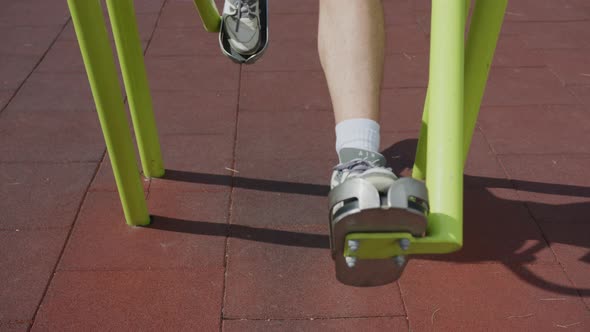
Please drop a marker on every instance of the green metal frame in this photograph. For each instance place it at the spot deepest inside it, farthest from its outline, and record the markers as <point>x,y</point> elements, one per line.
<point>458,75</point>
<point>97,54</point>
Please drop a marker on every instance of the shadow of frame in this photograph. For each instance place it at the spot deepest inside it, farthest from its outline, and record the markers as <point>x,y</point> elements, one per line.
<point>400,156</point>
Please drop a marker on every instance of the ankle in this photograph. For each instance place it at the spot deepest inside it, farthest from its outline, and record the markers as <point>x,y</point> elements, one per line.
<point>359,134</point>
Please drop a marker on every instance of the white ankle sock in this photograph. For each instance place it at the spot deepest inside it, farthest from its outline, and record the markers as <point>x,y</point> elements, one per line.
<point>358,133</point>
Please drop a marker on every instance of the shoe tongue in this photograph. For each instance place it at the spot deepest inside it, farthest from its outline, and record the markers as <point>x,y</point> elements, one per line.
<point>348,154</point>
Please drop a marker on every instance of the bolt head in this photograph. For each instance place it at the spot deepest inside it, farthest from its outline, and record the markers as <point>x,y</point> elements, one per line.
<point>404,244</point>
<point>353,245</point>
<point>400,260</point>
<point>350,261</point>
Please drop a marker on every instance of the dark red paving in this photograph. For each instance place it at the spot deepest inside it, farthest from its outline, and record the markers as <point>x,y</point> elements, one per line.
<point>442,296</point>
<point>42,195</point>
<point>239,234</point>
<point>343,324</point>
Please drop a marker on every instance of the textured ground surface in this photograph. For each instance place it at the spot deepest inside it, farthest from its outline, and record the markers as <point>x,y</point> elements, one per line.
<point>247,250</point>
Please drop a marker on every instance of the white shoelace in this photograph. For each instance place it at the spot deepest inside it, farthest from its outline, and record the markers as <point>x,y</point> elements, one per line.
<point>244,8</point>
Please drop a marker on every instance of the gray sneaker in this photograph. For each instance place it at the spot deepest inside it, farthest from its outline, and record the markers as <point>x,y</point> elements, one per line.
<point>364,164</point>
<point>241,19</point>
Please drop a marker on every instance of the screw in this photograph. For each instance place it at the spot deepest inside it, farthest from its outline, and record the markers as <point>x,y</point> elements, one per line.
<point>353,245</point>
<point>350,261</point>
<point>400,260</point>
<point>404,243</point>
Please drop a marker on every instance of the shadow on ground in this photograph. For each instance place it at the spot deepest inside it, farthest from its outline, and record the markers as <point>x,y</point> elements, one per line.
<point>400,157</point>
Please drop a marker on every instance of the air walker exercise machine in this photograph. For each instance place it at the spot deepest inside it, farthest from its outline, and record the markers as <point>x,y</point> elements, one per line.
<point>372,234</point>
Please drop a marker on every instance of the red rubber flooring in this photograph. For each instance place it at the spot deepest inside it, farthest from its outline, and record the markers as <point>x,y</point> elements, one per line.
<point>239,235</point>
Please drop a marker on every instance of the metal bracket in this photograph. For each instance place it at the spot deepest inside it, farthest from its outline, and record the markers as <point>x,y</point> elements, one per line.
<point>368,230</point>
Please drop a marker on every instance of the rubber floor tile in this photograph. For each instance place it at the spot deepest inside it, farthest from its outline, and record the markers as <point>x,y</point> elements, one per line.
<point>399,12</point>
<point>50,137</point>
<point>342,324</point>
<point>525,86</point>
<point>281,175</point>
<point>37,196</point>
<point>450,297</point>
<point>63,57</point>
<point>421,5</point>
<point>511,51</point>
<point>102,240</point>
<point>298,7</point>
<point>195,112</point>
<point>401,109</point>
<point>554,187</point>
<point>15,69</point>
<point>571,66</point>
<point>266,209</point>
<point>571,244</point>
<point>281,55</point>
<point>196,162</point>
<point>15,326</point>
<point>482,167</point>
<point>422,17</point>
<point>26,40</point>
<point>406,70</point>
<point>5,95</point>
<point>212,73</point>
<point>284,91</point>
<point>145,24</point>
<point>554,35</point>
<point>259,135</point>
<point>180,14</point>
<point>405,38</point>
<point>497,228</point>
<point>183,41</point>
<point>291,276</point>
<point>548,130</point>
<point>28,259</point>
<point>34,13</point>
<point>179,300</point>
<point>547,10</point>
<point>293,26</point>
<point>149,6</point>
<point>582,92</point>
<point>46,92</point>
<point>104,180</point>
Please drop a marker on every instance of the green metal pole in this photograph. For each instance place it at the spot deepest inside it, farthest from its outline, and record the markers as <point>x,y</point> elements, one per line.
<point>123,21</point>
<point>209,15</point>
<point>102,75</point>
<point>419,171</point>
<point>445,122</point>
<point>484,31</point>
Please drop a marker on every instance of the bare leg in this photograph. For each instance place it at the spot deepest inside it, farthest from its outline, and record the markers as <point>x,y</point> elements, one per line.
<point>351,46</point>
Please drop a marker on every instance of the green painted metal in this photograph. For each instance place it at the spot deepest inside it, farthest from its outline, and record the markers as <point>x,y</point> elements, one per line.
<point>484,30</point>
<point>102,75</point>
<point>439,158</point>
<point>451,107</point>
<point>123,22</point>
<point>444,167</point>
<point>486,23</point>
<point>209,15</point>
<point>386,245</point>
<point>419,170</point>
